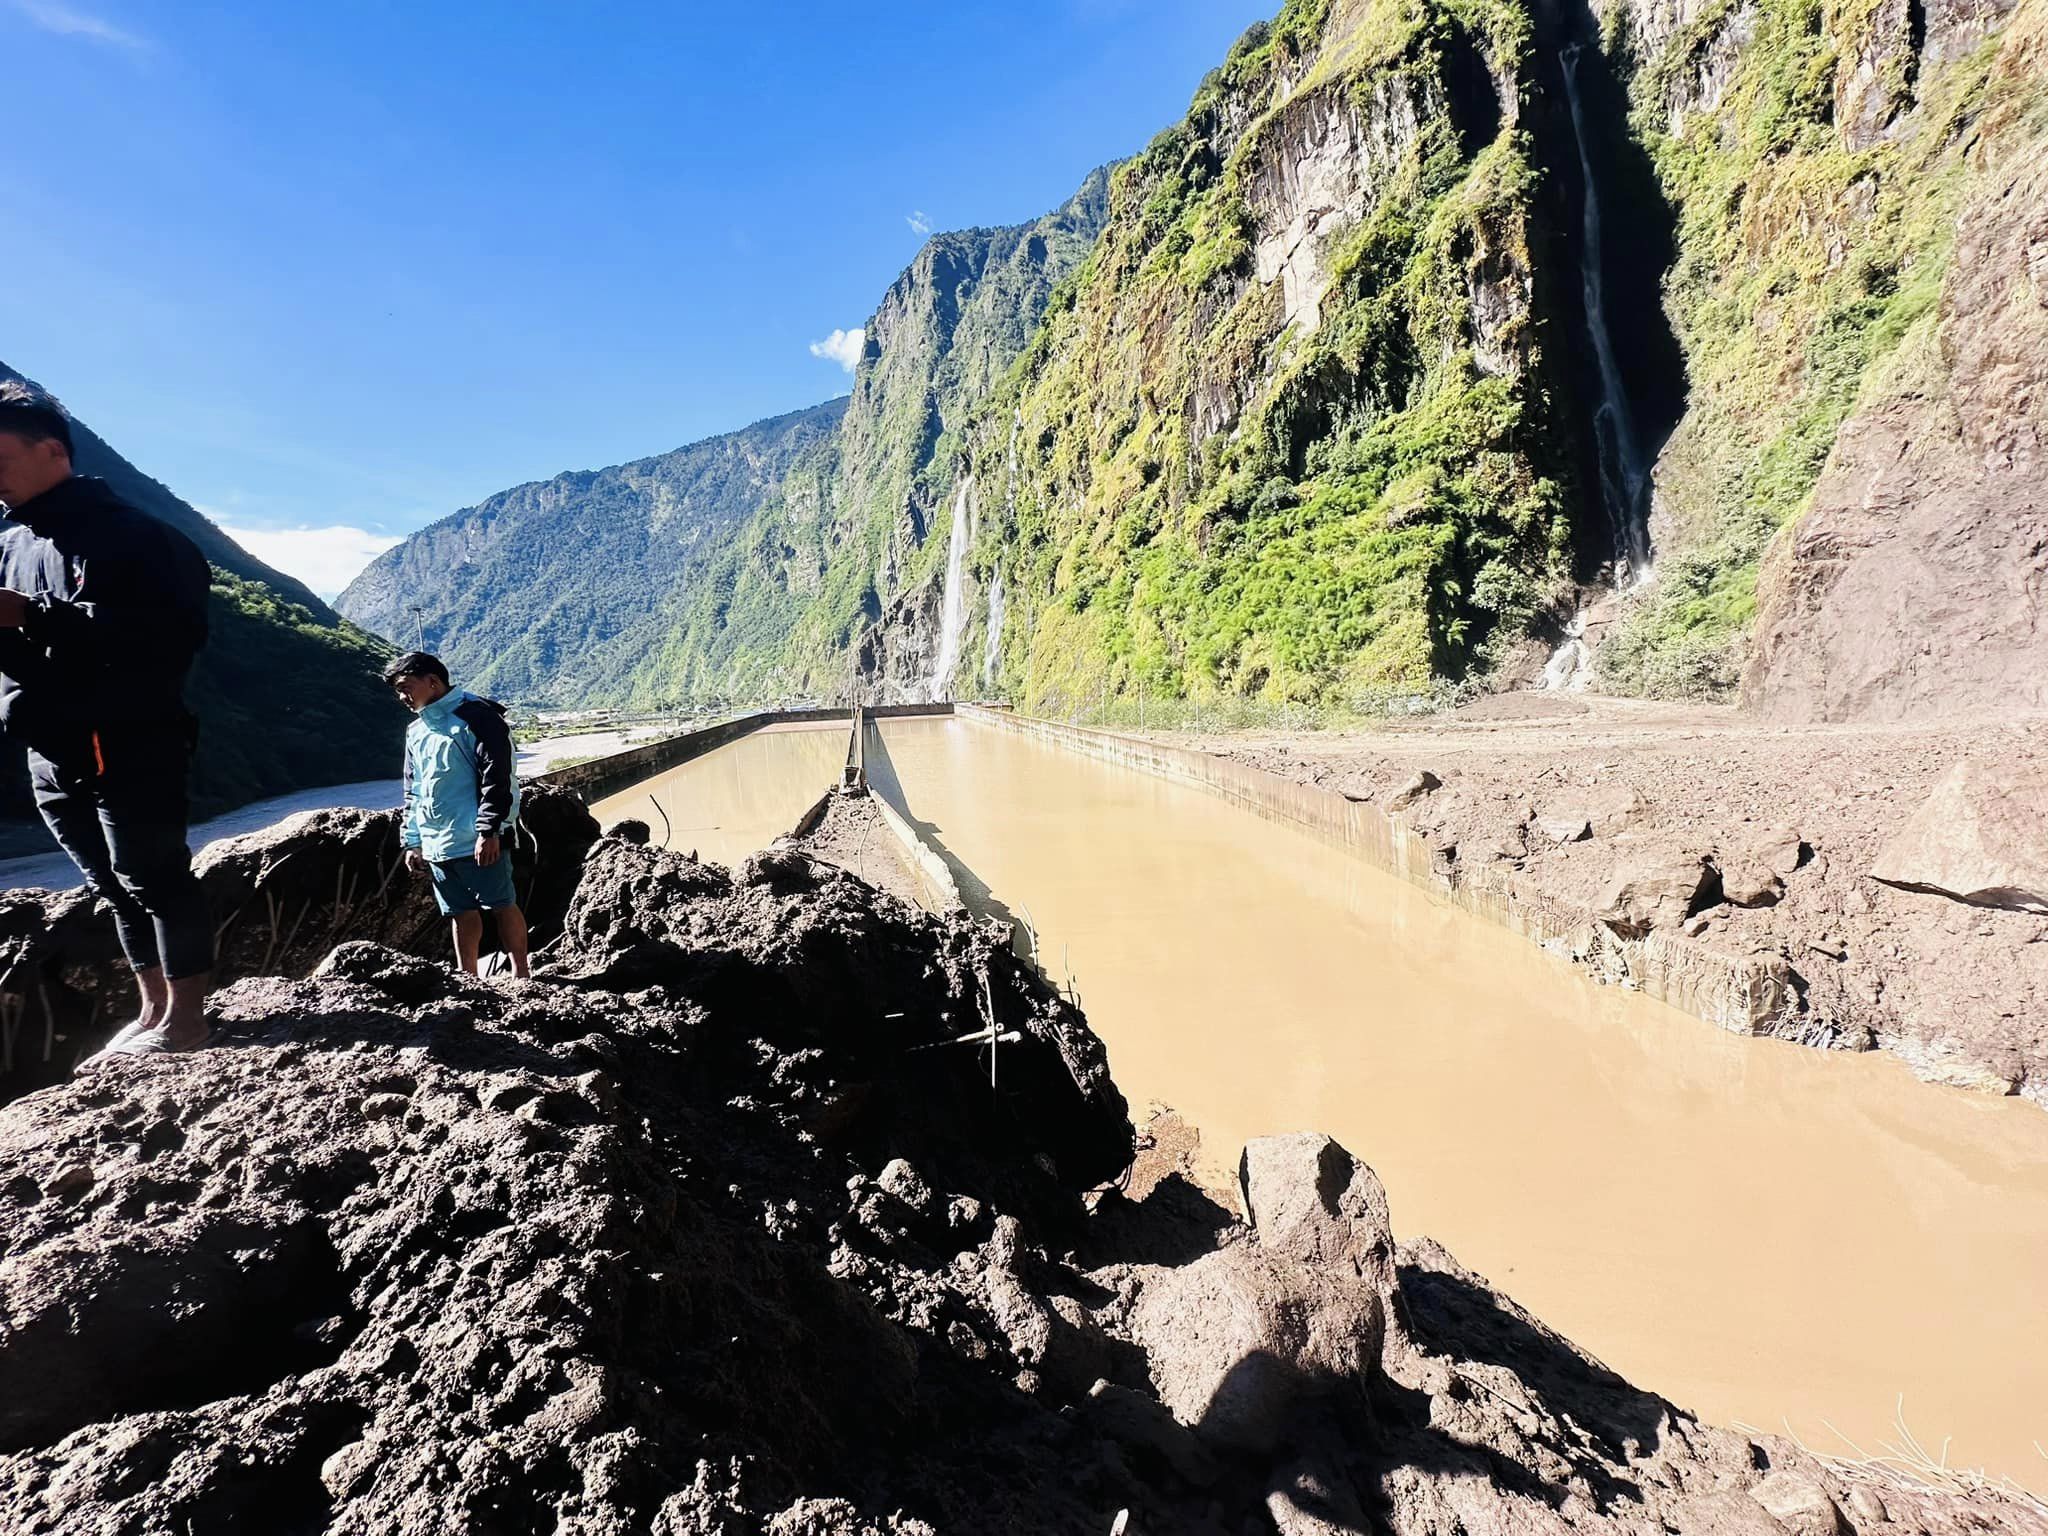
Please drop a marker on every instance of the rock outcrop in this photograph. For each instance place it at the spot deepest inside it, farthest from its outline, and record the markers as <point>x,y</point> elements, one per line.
<point>1932,511</point>
<point>718,1226</point>
<point>1978,837</point>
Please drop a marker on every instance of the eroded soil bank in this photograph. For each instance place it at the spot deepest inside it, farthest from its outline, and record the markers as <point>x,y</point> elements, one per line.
<point>716,1226</point>
<point>1751,839</point>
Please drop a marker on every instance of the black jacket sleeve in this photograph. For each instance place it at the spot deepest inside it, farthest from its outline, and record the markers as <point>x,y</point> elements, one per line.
<point>143,597</point>
<point>495,760</point>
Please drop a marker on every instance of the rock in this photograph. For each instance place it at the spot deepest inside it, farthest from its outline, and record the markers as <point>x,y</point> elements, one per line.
<point>380,1105</point>
<point>1781,850</point>
<point>1564,827</point>
<point>1238,1338</point>
<point>1308,1198</point>
<point>1799,1505</point>
<point>1423,782</point>
<point>1910,587</point>
<point>1722,1514</point>
<point>71,1182</point>
<point>1312,1501</point>
<point>901,1180</point>
<point>1746,883</point>
<point>348,1468</point>
<point>1140,1422</point>
<point>1979,837</point>
<point>1657,893</point>
<point>1601,811</point>
<point>1866,1507</point>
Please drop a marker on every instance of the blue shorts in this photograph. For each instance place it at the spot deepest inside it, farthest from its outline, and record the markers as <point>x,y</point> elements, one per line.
<point>461,886</point>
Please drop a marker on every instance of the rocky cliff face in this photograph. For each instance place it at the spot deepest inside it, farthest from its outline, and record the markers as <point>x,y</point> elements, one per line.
<point>546,590</point>
<point>1862,341</point>
<point>1914,584</point>
<point>287,691</point>
<point>852,540</point>
<point>1289,431</point>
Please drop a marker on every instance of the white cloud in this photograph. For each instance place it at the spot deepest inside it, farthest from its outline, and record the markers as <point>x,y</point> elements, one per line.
<point>52,16</point>
<point>325,559</point>
<point>843,347</point>
<point>919,221</point>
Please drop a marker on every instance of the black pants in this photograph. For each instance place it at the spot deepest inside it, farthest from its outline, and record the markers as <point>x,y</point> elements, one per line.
<point>115,802</point>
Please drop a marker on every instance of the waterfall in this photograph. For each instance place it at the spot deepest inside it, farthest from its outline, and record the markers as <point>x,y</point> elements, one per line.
<point>1570,666</point>
<point>1624,479</point>
<point>992,653</point>
<point>953,610</point>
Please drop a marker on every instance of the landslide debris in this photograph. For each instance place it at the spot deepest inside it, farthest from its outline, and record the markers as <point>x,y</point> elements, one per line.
<point>716,1226</point>
<point>281,898</point>
<point>1882,884</point>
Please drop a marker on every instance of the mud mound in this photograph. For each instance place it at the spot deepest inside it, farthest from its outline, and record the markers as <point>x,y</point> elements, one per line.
<point>718,1226</point>
<point>281,899</point>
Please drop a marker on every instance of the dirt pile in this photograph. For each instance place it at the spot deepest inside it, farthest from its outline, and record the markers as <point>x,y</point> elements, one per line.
<point>281,899</point>
<point>719,1225</point>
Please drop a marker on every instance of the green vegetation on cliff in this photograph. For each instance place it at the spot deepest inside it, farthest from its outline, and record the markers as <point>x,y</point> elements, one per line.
<point>1339,484</point>
<point>1817,198</point>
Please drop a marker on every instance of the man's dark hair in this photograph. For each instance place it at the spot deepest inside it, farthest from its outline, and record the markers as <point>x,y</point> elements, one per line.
<point>416,664</point>
<point>34,413</point>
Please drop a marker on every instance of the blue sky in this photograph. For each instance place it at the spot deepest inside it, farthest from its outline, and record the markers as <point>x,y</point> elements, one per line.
<point>331,272</point>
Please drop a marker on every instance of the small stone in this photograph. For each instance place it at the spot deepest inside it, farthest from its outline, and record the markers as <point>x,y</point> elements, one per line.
<point>1834,949</point>
<point>1657,894</point>
<point>1144,1424</point>
<point>1780,850</point>
<point>378,1106</point>
<point>1801,1506</point>
<point>904,1182</point>
<point>1421,783</point>
<point>348,1468</point>
<point>963,1211</point>
<point>1867,1507</point>
<point>1565,829</point>
<point>71,1182</point>
<point>506,1097</point>
<point>1747,883</point>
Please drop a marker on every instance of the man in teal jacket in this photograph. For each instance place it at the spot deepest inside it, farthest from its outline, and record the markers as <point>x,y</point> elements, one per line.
<point>461,800</point>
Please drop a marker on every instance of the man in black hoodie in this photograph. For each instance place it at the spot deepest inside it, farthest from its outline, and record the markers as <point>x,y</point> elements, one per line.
<point>102,609</point>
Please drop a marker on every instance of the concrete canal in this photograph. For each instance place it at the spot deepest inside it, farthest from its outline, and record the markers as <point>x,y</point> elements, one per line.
<point>1765,1233</point>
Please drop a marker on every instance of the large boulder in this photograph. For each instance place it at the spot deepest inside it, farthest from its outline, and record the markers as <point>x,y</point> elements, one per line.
<point>1980,836</point>
<point>1238,1340</point>
<point>1653,892</point>
<point>1310,1200</point>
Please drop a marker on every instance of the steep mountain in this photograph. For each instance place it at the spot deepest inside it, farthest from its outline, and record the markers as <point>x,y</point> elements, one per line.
<point>1856,293</point>
<point>1433,324</point>
<point>847,537</point>
<point>286,690</point>
<point>1429,316</point>
<point>1295,427</point>
<point>552,589</point>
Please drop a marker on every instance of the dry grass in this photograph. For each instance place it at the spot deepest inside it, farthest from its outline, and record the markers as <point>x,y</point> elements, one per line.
<point>1906,1462</point>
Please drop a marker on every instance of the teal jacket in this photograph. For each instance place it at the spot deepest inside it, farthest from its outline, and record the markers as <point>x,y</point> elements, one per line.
<point>460,782</point>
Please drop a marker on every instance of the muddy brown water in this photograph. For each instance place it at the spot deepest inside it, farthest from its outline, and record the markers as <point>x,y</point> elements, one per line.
<point>1768,1235</point>
<point>737,799</point>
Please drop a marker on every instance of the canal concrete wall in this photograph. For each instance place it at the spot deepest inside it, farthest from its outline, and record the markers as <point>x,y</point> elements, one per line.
<point>1742,993</point>
<point>603,776</point>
